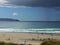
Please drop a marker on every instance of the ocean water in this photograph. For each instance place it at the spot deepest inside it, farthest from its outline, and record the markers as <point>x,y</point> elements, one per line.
<point>32,27</point>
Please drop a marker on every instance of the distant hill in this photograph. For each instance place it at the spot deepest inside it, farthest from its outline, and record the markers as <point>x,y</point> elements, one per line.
<point>8,19</point>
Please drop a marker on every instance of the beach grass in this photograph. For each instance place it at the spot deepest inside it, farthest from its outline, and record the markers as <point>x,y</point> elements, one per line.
<point>50,42</point>
<point>4,43</point>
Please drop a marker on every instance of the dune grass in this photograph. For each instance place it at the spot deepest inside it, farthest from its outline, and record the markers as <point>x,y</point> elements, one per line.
<point>50,42</point>
<point>3,43</point>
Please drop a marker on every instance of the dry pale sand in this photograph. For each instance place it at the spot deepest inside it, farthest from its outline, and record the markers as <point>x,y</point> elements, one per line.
<point>25,38</point>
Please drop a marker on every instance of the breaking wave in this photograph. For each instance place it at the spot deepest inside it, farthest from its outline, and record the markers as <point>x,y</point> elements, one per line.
<point>42,30</point>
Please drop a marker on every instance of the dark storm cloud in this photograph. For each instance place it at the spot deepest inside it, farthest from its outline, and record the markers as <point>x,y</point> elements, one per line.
<point>35,3</point>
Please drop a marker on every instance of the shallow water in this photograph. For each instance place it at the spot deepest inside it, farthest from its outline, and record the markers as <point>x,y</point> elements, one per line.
<point>34,27</point>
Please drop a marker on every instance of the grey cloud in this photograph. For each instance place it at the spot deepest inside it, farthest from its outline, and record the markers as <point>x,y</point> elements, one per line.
<point>54,4</point>
<point>35,3</point>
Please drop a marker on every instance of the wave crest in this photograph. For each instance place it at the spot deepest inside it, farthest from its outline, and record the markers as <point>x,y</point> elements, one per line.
<point>42,30</point>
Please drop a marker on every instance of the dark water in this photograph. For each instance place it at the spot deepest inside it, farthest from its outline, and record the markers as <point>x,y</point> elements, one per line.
<point>35,27</point>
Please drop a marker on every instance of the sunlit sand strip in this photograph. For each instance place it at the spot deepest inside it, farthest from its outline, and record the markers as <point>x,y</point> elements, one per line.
<point>20,38</point>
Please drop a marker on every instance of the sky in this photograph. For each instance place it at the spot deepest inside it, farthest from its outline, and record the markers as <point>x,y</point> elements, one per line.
<point>30,10</point>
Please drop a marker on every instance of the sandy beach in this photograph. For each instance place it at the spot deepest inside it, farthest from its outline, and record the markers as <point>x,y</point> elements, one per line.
<point>22,38</point>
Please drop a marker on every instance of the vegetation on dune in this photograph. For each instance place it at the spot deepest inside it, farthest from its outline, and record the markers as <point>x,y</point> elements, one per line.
<point>3,43</point>
<point>50,42</point>
<point>47,42</point>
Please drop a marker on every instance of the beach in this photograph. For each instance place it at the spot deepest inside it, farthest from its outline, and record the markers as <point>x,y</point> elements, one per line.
<point>28,38</point>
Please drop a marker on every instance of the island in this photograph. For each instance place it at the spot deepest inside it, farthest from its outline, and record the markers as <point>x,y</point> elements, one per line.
<point>8,19</point>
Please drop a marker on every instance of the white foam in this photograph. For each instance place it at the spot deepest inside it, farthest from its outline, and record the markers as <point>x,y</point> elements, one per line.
<point>6,30</point>
<point>46,30</point>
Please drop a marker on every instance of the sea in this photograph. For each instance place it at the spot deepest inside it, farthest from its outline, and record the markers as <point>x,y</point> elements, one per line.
<point>30,26</point>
